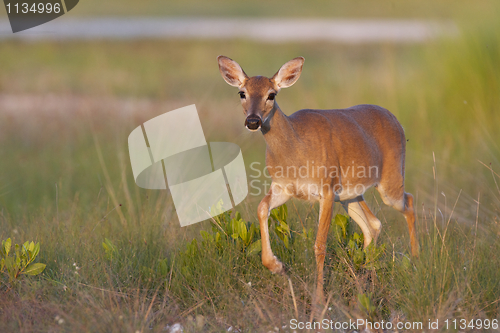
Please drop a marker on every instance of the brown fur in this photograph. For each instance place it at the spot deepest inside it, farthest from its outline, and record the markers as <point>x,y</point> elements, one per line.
<point>357,138</point>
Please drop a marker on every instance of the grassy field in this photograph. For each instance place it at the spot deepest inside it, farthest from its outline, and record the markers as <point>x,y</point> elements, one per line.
<point>66,110</point>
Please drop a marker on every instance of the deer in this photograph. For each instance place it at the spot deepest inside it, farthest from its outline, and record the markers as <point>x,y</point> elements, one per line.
<point>363,137</point>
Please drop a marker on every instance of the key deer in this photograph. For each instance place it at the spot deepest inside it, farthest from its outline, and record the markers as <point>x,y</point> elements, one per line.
<point>323,155</point>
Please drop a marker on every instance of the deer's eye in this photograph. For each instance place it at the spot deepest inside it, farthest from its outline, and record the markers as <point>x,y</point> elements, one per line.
<point>242,94</point>
<point>271,96</point>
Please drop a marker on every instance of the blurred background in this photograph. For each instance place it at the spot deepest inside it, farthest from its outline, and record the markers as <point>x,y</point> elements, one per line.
<point>59,96</point>
<point>67,106</point>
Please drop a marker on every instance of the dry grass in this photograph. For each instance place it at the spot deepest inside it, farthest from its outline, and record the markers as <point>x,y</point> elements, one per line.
<point>65,114</point>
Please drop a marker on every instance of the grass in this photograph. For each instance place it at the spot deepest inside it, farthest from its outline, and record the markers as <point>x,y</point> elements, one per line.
<point>68,108</point>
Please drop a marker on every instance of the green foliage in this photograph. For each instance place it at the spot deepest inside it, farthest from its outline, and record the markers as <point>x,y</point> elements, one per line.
<point>21,261</point>
<point>243,233</point>
<point>217,209</point>
<point>254,248</point>
<point>281,227</point>
<point>365,305</point>
<point>352,243</point>
<point>110,249</point>
<point>246,235</point>
<point>157,272</point>
<point>192,248</point>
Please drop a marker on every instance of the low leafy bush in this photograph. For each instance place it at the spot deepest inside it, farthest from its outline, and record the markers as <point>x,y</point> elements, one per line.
<point>351,242</point>
<point>19,262</point>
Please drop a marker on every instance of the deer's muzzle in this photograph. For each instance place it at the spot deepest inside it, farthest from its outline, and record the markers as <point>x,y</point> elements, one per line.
<point>253,122</point>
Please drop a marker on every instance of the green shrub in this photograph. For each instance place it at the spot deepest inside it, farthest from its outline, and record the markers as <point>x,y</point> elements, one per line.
<point>351,242</point>
<point>21,261</point>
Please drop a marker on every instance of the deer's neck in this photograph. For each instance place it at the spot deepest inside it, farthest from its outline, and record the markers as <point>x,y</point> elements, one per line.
<point>278,131</point>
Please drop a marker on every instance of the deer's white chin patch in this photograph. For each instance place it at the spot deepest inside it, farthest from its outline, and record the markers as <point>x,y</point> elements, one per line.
<point>253,130</point>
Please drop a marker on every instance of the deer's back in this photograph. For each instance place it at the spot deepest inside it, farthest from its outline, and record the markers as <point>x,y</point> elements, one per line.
<point>359,135</point>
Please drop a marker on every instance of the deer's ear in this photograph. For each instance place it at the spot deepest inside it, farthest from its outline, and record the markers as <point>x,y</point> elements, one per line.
<point>231,72</point>
<point>289,73</point>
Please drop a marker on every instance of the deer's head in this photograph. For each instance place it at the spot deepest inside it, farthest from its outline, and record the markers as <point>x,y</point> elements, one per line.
<point>257,93</point>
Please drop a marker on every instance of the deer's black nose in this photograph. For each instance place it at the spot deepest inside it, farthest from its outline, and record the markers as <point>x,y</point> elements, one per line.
<point>253,123</point>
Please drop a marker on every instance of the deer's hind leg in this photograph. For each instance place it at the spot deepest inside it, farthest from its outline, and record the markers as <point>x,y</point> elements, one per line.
<point>393,194</point>
<point>359,211</point>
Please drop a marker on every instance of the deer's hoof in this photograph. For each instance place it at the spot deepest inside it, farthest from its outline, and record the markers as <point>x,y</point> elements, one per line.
<point>274,265</point>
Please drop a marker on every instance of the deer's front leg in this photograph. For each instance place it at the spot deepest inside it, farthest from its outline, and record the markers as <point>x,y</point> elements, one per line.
<point>274,198</point>
<point>325,217</point>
